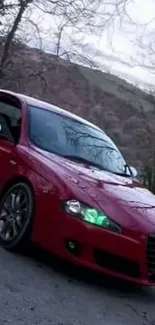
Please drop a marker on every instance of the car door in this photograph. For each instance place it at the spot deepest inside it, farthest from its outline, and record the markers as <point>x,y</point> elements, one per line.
<point>8,162</point>
<point>10,115</point>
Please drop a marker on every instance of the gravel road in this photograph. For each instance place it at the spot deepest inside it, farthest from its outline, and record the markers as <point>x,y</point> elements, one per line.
<point>41,291</point>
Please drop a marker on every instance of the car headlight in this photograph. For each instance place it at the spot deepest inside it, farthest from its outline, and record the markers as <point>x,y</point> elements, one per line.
<point>90,215</point>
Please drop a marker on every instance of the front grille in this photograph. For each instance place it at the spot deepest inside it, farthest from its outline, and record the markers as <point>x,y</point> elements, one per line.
<point>117,263</point>
<point>151,257</point>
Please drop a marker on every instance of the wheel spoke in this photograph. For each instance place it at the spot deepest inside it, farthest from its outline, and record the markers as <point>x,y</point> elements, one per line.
<point>3,214</point>
<point>19,221</point>
<point>14,228</point>
<point>2,226</point>
<point>13,198</point>
<point>8,235</point>
<point>6,209</point>
<point>18,199</point>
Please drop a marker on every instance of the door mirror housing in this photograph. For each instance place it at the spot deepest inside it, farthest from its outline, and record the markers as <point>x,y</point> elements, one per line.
<point>134,171</point>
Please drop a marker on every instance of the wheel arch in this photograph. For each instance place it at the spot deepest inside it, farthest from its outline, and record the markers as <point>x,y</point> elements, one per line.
<point>16,180</point>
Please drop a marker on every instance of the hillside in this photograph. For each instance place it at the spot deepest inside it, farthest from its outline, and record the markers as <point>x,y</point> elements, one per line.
<point>125,112</point>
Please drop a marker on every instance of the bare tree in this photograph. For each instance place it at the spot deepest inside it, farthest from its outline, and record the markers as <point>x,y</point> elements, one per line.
<point>20,8</point>
<point>83,16</point>
<point>142,39</point>
<point>72,48</point>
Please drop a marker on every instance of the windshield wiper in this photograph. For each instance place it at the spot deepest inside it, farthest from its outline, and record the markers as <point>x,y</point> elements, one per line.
<point>124,172</point>
<point>121,174</point>
<point>83,160</point>
<point>90,163</point>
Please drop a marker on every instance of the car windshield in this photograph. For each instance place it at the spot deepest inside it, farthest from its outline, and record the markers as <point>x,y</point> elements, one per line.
<point>74,140</point>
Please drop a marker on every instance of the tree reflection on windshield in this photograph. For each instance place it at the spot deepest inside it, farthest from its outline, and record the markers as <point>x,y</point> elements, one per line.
<point>70,138</point>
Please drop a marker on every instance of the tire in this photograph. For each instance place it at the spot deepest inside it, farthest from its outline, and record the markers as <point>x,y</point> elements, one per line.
<point>16,217</point>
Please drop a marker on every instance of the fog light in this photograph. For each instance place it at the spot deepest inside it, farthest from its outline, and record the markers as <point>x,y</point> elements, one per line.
<point>72,246</point>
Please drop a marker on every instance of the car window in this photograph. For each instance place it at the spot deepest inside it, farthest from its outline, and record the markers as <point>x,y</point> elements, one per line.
<point>68,137</point>
<point>10,119</point>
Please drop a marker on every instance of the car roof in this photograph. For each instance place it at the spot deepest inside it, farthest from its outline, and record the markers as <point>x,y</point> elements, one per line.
<point>44,105</point>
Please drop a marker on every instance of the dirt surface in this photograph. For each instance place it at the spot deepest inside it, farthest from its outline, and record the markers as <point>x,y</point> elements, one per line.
<point>37,289</point>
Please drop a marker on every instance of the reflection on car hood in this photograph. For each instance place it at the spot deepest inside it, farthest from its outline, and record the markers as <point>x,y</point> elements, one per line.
<point>122,198</point>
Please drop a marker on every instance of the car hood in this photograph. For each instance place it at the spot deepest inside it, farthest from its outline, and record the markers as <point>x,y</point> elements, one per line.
<point>122,198</point>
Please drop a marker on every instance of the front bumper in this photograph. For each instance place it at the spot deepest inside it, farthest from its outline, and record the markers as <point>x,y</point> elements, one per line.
<point>124,256</point>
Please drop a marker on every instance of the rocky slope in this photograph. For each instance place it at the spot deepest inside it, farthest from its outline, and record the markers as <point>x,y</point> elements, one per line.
<point>124,111</point>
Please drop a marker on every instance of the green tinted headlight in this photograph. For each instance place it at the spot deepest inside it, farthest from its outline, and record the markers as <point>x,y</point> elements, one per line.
<point>91,215</point>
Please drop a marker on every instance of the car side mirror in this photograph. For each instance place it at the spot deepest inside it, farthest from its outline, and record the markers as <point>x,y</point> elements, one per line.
<point>134,171</point>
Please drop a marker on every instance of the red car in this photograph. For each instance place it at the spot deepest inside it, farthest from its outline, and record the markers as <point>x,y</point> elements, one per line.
<point>65,186</point>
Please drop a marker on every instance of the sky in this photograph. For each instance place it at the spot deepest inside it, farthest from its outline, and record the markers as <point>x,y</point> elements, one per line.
<point>125,48</point>
<point>141,12</point>
<point>117,48</point>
